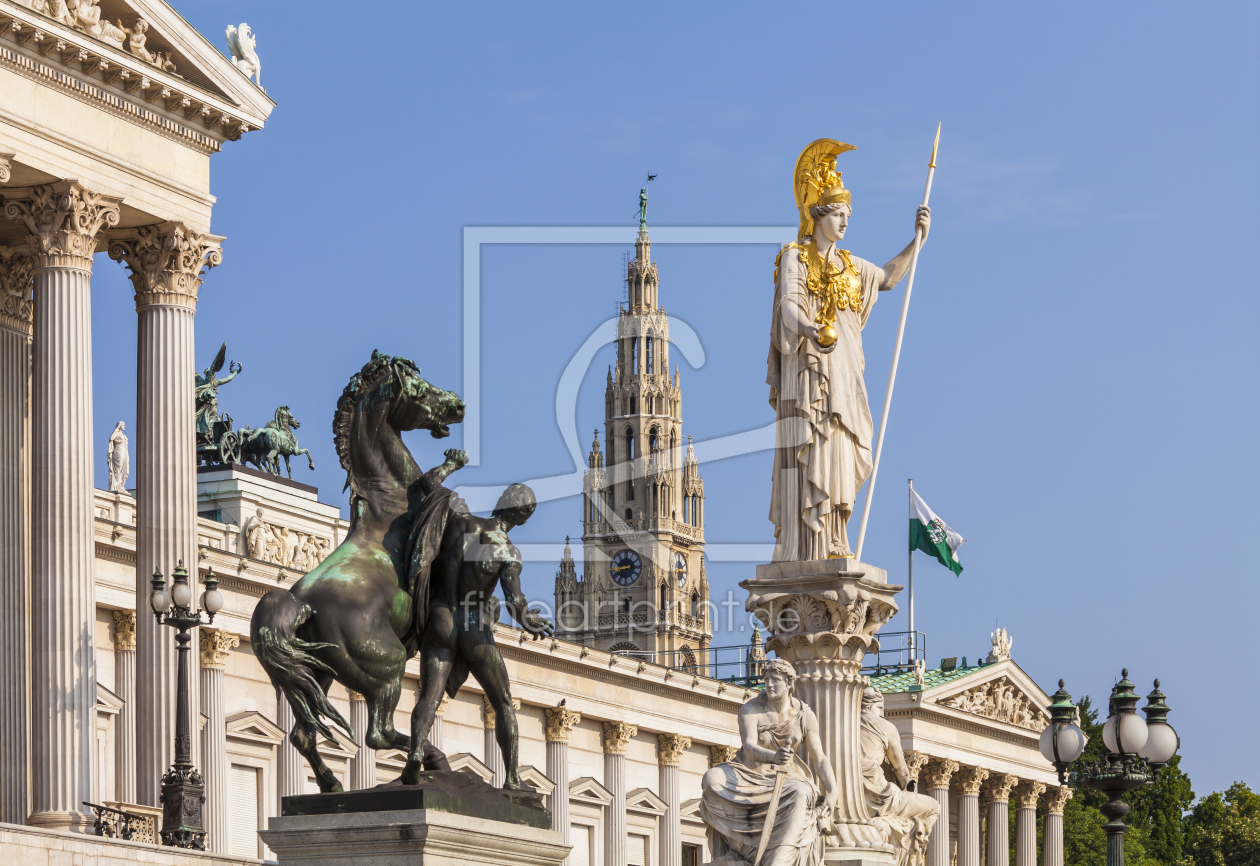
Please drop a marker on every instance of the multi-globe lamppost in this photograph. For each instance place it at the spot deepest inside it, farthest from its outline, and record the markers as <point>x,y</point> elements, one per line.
<point>1136,750</point>
<point>183,790</point>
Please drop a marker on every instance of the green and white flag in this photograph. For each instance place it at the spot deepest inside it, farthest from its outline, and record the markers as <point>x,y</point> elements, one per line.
<point>932,535</point>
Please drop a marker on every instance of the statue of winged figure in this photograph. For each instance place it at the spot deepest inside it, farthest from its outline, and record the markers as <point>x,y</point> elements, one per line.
<point>241,42</point>
<point>211,427</point>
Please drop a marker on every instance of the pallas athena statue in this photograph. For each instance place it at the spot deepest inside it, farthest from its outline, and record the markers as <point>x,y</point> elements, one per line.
<point>823,296</point>
<point>777,795</point>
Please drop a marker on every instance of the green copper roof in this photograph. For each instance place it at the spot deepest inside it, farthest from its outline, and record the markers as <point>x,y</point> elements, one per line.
<point>901,682</point>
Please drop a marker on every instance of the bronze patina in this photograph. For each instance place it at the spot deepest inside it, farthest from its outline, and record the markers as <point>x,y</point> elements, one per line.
<point>265,446</point>
<point>216,443</point>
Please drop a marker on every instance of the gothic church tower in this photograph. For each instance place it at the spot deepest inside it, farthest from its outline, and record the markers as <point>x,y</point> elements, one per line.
<point>643,586</point>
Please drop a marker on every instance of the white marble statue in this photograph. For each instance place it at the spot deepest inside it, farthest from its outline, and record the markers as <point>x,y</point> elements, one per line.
<point>88,18</point>
<point>822,299</point>
<point>778,731</point>
<point>118,460</point>
<point>241,43</point>
<point>905,819</point>
<point>1002,643</point>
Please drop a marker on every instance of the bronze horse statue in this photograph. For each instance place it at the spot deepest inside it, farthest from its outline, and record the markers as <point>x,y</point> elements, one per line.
<point>352,619</point>
<point>265,446</point>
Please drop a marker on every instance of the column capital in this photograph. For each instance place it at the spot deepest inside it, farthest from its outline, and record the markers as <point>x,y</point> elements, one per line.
<point>722,754</point>
<point>1027,792</point>
<point>617,736</point>
<point>669,748</point>
<point>353,695</point>
<point>916,761</point>
<point>6,166</point>
<point>560,722</point>
<point>167,262</point>
<point>488,714</point>
<point>216,645</point>
<point>125,630</point>
<point>1056,800</point>
<point>998,788</point>
<point>65,220</point>
<point>969,780</point>
<point>441,707</point>
<point>938,773</point>
<point>17,276</point>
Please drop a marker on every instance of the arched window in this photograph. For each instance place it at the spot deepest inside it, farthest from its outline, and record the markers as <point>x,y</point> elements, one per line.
<point>686,509</point>
<point>634,405</point>
<point>695,604</point>
<point>649,356</point>
<point>627,514</point>
<point>656,494</point>
<point>654,437</point>
<point>664,602</point>
<point>635,355</point>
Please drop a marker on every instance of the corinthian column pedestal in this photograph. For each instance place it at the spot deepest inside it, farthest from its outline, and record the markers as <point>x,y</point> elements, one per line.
<point>166,263</point>
<point>822,617</point>
<point>17,272</point>
<point>64,221</point>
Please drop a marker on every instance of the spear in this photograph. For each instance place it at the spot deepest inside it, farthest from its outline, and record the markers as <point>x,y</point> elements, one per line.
<point>901,332</point>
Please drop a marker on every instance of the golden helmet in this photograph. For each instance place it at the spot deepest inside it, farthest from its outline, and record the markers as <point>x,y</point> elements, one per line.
<point>817,182</point>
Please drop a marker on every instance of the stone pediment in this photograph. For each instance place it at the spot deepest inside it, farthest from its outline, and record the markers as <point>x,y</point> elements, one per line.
<point>643,801</point>
<point>256,727</point>
<point>690,811</point>
<point>1002,698</point>
<point>162,71</point>
<point>531,775</point>
<point>587,790</point>
<point>466,762</point>
<point>108,702</point>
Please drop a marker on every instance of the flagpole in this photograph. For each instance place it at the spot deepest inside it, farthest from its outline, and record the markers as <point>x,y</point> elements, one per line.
<point>913,636</point>
<point>901,332</point>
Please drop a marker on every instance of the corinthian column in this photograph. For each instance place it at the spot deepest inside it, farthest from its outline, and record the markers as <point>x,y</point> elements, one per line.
<point>125,723</point>
<point>936,781</point>
<point>1026,795</point>
<point>64,220</point>
<point>822,617</point>
<point>669,753</point>
<point>969,780</point>
<point>216,646</point>
<point>560,722</point>
<point>617,736</point>
<point>998,797</point>
<point>290,765</point>
<point>494,755</point>
<point>16,277</point>
<point>166,264</point>
<point>1052,833</point>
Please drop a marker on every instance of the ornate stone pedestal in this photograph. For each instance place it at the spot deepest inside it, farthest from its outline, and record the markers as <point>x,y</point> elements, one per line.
<point>822,617</point>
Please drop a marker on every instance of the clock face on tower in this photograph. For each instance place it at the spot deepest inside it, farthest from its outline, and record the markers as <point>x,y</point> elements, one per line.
<point>680,569</point>
<point>626,566</point>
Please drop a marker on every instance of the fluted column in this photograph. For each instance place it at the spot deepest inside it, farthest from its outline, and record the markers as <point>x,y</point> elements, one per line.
<point>617,736</point>
<point>435,730</point>
<point>125,722</point>
<point>64,220</point>
<point>17,271</point>
<point>936,777</point>
<point>997,798</point>
<point>968,782</point>
<point>216,646</point>
<point>494,755</point>
<point>290,765</point>
<point>1027,793</point>
<point>166,263</point>
<point>669,750</point>
<point>560,722</point>
<point>1052,832</point>
<point>363,764</point>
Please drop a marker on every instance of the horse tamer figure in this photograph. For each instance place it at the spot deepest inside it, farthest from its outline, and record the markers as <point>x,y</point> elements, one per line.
<point>392,587</point>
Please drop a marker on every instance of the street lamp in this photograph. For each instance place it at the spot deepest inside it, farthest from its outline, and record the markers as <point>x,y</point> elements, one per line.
<point>1136,750</point>
<point>183,790</point>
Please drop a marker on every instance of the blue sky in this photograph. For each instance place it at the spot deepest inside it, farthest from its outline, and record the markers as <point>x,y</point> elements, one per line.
<point>1077,392</point>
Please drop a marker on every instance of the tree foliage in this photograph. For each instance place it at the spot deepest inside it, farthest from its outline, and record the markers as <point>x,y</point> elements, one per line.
<point>1224,829</point>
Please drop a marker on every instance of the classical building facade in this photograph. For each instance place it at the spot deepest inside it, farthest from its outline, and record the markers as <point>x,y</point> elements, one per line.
<point>643,587</point>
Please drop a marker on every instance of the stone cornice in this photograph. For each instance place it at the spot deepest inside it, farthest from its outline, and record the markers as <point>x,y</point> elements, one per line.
<point>560,722</point>
<point>65,220</point>
<point>67,60</point>
<point>670,747</point>
<point>166,262</point>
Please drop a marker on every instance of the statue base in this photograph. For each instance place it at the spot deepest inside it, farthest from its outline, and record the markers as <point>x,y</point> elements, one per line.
<point>876,855</point>
<point>449,819</point>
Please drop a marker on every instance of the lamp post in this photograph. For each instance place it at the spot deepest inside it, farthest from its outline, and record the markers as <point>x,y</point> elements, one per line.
<point>1136,750</point>
<point>183,790</point>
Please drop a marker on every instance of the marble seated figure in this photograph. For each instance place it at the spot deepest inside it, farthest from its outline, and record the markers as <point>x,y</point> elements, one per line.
<point>905,819</point>
<point>778,730</point>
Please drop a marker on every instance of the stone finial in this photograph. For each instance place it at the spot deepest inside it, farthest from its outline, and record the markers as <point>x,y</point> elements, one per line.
<point>998,788</point>
<point>65,220</point>
<point>722,754</point>
<point>938,773</point>
<point>17,272</point>
<point>970,779</point>
<point>166,262</point>
<point>1056,800</point>
<point>916,761</point>
<point>488,713</point>
<point>669,748</point>
<point>1002,641</point>
<point>617,736</point>
<point>216,645</point>
<point>125,630</point>
<point>6,166</point>
<point>560,722</point>
<point>1027,793</point>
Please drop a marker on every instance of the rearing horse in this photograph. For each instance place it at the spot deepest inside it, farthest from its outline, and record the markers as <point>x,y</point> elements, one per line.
<point>265,446</point>
<point>348,618</point>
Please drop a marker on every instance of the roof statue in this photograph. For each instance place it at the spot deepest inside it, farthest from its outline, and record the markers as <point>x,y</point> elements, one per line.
<point>1002,641</point>
<point>643,199</point>
<point>216,443</point>
<point>241,42</point>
